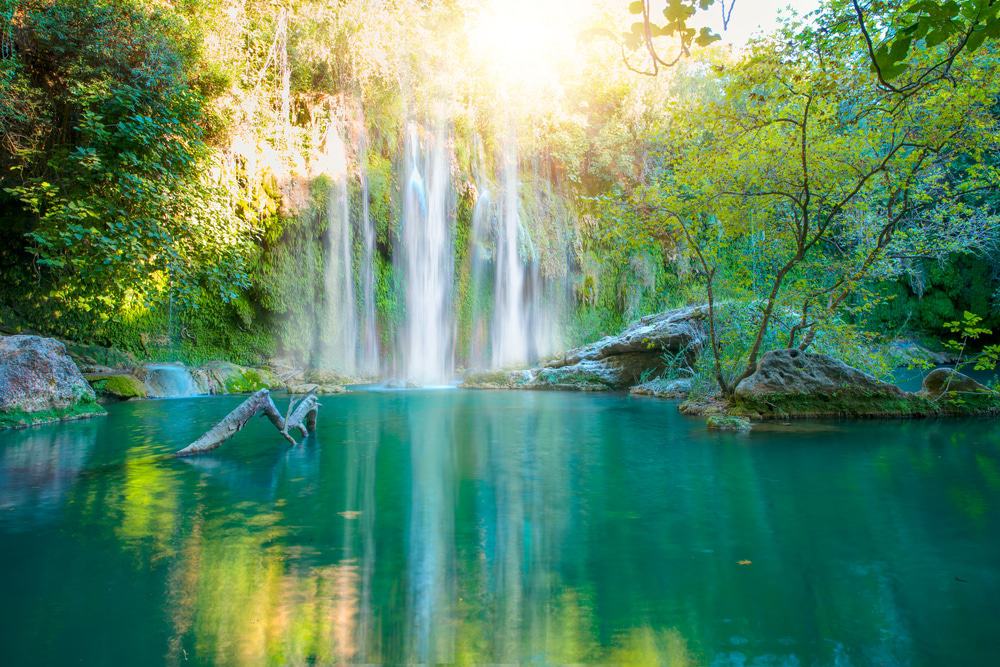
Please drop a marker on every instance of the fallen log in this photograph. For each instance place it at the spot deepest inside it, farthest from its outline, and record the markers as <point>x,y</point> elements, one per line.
<point>301,416</point>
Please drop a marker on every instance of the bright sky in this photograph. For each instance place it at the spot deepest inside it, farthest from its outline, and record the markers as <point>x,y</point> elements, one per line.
<point>749,16</point>
<point>523,41</point>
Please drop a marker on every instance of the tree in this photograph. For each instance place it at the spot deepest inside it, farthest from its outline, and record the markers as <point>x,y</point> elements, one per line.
<point>830,177</point>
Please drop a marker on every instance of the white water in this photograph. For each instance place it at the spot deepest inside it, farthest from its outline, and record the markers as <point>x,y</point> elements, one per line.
<point>427,265</point>
<point>510,331</point>
<point>369,366</point>
<point>169,381</point>
<point>339,350</point>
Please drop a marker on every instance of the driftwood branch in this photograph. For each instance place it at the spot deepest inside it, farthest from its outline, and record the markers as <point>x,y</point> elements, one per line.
<point>301,416</point>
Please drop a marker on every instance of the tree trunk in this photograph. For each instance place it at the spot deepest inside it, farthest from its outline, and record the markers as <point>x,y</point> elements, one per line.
<point>302,418</point>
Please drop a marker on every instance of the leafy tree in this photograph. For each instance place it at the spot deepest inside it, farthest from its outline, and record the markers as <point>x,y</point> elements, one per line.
<point>831,177</point>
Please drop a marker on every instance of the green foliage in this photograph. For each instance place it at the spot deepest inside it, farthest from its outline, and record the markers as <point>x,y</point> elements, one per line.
<point>970,328</point>
<point>247,381</point>
<point>120,386</point>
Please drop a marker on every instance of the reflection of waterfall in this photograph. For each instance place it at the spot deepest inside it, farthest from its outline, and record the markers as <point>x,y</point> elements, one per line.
<point>431,538</point>
<point>340,326</point>
<point>369,334</point>
<point>427,264</point>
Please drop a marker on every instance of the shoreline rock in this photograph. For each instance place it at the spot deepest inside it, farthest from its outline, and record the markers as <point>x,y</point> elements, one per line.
<point>40,383</point>
<point>613,363</point>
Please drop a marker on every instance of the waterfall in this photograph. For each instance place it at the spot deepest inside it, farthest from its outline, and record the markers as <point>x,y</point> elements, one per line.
<point>481,257</point>
<point>169,381</point>
<point>427,343</point>
<point>510,333</point>
<point>369,333</point>
<point>339,349</point>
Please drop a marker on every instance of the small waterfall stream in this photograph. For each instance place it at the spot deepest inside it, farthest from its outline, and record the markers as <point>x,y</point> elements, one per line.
<point>510,332</point>
<point>340,335</point>
<point>369,366</point>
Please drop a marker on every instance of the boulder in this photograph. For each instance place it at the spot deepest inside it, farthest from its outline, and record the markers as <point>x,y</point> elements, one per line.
<point>941,380</point>
<point>793,372</point>
<point>223,377</point>
<point>120,386</point>
<point>728,423</point>
<point>619,362</point>
<point>39,382</point>
<point>663,388</point>
<point>792,383</point>
<point>319,389</point>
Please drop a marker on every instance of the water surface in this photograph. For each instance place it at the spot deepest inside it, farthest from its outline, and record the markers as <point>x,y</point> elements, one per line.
<point>454,526</point>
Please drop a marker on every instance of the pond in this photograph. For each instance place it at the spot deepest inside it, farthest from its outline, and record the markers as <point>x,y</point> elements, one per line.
<point>460,526</point>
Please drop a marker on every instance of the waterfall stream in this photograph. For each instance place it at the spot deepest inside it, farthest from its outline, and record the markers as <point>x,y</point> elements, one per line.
<point>427,265</point>
<point>511,310</point>
<point>340,335</point>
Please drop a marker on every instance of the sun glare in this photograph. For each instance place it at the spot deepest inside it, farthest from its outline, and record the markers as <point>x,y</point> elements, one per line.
<point>524,43</point>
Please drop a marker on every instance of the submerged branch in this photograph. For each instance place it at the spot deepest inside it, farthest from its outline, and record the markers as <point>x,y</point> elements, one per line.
<point>301,416</point>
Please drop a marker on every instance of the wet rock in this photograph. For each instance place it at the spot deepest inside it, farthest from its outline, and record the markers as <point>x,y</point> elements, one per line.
<point>320,389</point>
<point>793,372</point>
<point>728,423</point>
<point>909,352</point>
<point>118,386</point>
<point>663,388</point>
<point>942,380</point>
<point>794,384</point>
<point>39,382</point>
<point>619,362</point>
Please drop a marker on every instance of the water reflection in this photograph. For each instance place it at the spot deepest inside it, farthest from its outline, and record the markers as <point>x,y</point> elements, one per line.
<point>501,528</point>
<point>38,466</point>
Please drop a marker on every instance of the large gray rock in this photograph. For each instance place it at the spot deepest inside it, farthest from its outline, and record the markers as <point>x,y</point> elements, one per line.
<point>619,362</point>
<point>796,373</point>
<point>941,380</point>
<point>40,382</point>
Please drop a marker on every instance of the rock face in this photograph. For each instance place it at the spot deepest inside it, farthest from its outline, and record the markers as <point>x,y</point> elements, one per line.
<point>792,372</point>
<point>120,386</point>
<point>663,388</point>
<point>614,362</point>
<point>39,382</point>
<point>791,383</point>
<point>941,380</point>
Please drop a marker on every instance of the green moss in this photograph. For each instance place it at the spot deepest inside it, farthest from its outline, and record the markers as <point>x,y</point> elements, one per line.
<point>728,423</point>
<point>249,380</point>
<point>120,386</point>
<point>855,404</point>
<point>21,419</point>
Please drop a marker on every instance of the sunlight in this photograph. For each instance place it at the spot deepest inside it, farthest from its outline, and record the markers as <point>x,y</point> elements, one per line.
<point>523,44</point>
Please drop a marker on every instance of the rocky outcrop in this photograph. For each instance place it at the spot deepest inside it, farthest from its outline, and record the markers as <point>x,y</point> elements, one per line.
<point>318,389</point>
<point>117,386</point>
<point>614,362</point>
<point>946,380</point>
<point>793,372</point>
<point>792,383</point>
<point>663,388</point>
<point>39,382</point>
<point>727,423</point>
<point>911,353</point>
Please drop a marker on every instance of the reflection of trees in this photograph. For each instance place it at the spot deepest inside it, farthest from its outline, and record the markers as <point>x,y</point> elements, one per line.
<point>479,528</point>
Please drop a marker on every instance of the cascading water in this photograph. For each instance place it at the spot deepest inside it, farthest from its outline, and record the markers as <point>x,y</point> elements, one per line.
<point>510,332</point>
<point>425,253</point>
<point>339,349</point>
<point>169,381</point>
<point>369,366</point>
